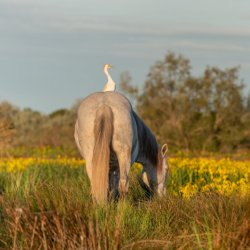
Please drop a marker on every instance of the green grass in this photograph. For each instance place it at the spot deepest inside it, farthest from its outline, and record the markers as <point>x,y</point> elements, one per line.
<point>50,207</point>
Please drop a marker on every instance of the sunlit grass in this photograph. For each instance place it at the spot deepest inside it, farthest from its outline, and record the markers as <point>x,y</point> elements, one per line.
<point>45,203</point>
<point>188,175</point>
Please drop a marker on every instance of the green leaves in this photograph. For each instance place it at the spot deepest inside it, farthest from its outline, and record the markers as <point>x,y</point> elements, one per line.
<point>202,113</point>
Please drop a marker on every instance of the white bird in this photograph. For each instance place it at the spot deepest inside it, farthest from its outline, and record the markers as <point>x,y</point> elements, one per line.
<point>110,85</point>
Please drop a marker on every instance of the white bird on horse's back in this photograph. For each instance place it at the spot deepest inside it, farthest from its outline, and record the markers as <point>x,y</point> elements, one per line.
<point>110,85</point>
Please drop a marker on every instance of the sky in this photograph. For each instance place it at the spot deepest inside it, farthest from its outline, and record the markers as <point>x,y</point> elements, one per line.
<point>52,52</point>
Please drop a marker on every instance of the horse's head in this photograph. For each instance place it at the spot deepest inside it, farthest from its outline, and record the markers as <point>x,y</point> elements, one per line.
<point>162,170</point>
<point>154,176</point>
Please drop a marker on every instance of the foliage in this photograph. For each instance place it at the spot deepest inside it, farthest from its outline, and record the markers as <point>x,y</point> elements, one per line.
<point>206,113</point>
<point>33,129</point>
<point>188,175</point>
<point>6,127</point>
<point>225,176</point>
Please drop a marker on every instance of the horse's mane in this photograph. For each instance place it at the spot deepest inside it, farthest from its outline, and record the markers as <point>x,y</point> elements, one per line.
<point>147,141</point>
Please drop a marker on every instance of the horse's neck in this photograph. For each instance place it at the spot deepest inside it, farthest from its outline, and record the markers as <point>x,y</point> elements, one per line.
<point>143,160</point>
<point>148,147</point>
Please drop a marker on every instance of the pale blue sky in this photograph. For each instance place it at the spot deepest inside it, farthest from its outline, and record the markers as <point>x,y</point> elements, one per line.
<point>52,52</point>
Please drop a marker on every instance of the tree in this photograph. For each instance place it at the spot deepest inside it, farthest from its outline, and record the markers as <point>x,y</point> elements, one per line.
<point>194,113</point>
<point>246,121</point>
<point>225,106</point>
<point>126,87</point>
<point>6,128</point>
<point>161,104</point>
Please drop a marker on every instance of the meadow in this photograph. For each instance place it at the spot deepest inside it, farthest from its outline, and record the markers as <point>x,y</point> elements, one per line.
<point>45,203</point>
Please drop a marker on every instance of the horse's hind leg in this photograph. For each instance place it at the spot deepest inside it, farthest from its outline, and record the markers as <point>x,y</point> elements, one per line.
<point>123,153</point>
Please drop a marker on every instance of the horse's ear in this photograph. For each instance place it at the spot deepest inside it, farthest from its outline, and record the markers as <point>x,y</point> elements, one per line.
<point>164,150</point>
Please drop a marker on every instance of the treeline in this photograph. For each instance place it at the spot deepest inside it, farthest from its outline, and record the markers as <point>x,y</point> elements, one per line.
<point>205,113</point>
<point>28,128</point>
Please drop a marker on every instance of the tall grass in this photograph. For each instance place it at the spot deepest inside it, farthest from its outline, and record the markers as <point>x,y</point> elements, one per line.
<point>50,207</point>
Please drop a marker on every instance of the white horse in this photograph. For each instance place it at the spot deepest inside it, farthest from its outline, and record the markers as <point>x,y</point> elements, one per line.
<point>111,137</point>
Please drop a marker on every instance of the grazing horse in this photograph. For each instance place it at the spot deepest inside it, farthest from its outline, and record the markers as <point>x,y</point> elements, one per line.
<point>111,137</point>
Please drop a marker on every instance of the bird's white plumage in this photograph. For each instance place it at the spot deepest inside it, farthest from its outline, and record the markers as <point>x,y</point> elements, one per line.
<point>110,85</point>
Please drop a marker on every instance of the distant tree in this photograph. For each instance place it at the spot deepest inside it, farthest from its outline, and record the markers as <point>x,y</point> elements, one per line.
<point>5,134</point>
<point>128,89</point>
<point>161,105</point>
<point>248,103</point>
<point>59,112</point>
<point>58,130</point>
<point>246,122</point>
<point>6,127</point>
<point>194,113</point>
<point>225,103</point>
<point>33,129</point>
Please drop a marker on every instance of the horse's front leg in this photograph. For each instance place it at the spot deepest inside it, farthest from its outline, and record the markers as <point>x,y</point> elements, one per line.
<point>114,177</point>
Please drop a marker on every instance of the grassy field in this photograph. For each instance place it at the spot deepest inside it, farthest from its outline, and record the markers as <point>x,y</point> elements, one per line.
<point>45,203</point>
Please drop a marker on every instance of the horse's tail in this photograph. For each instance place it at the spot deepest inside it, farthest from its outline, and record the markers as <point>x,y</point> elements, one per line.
<point>103,130</point>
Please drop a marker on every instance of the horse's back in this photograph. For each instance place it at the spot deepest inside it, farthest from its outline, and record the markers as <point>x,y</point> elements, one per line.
<point>93,102</point>
<point>120,106</point>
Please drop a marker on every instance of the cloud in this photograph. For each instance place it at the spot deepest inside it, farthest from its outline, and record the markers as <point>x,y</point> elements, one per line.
<point>28,22</point>
<point>28,16</point>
